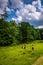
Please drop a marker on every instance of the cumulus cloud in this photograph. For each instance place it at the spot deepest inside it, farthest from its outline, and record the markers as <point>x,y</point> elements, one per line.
<point>37,3</point>
<point>17,19</point>
<point>40,27</point>
<point>16,3</point>
<point>3,4</point>
<point>26,12</point>
<point>9,11</point>
<point>31,12</point>
<point>40,7</point>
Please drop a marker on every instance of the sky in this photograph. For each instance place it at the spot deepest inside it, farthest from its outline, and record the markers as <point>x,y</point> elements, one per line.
<point>23,10</point>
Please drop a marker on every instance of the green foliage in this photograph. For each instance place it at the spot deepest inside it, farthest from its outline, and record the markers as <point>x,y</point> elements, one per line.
<point>13,33</point>
<point>7,33</point>
<point>4,16</point>
<point>41,34</point>
<point>27,32</point>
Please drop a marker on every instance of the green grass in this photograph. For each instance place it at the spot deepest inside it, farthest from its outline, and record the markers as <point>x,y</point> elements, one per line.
<point>14,55</point>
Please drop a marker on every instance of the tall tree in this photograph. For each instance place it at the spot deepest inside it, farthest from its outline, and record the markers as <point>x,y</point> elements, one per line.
<point>4,16</point>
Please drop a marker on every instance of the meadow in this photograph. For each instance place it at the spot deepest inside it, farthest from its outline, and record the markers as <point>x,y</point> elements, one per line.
<point>15,55</point>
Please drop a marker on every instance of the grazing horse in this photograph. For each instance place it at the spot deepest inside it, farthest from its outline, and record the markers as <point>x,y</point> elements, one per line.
<point>23,47</point>
<point>32,48</point>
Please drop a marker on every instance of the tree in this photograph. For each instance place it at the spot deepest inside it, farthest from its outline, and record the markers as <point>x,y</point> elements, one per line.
<point>25,32</point>
<point>14,31</point>
<point>5,33</point>
<point>41,34</point>
<point>4,16</point>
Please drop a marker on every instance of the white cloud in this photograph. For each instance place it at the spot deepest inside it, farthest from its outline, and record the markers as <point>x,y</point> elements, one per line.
<point>36,15</point>
<point>16,4</point>
<point>34,3</point>
<point>3,4</point>
<point>14,19</point>
<point>28,13</point>
<point>40,27</point>
<point>37,3</point>
<point>17,19</point>
<point>8,10</point>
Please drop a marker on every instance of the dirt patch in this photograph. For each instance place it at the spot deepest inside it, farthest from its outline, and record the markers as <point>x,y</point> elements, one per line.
<point>39,61</point>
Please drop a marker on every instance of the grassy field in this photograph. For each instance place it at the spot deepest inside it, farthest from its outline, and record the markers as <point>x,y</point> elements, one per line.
<point>14,55</point>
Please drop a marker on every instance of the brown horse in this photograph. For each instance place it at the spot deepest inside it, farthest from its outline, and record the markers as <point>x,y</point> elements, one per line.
<point>32,48</point>
<point>23,47</point>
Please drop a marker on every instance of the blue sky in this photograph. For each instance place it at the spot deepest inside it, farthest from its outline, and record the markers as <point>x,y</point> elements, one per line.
<point>23,10</point>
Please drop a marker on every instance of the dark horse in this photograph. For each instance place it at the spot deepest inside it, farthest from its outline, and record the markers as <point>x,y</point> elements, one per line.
<point>23,47</point>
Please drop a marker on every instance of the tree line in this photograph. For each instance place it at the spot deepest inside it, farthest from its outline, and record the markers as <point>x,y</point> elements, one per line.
<point>13,33</point>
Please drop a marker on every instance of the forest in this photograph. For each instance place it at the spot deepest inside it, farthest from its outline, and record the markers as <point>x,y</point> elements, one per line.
<point>12,33</point>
